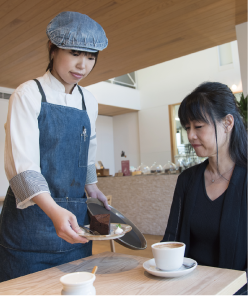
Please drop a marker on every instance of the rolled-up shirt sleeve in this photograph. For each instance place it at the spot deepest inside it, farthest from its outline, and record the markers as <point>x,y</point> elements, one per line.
<point>22,153</point>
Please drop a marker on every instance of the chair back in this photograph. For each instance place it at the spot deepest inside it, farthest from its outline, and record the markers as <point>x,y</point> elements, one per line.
<point>109,199</point>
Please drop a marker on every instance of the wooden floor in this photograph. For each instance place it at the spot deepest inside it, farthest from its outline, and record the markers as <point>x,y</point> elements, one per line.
<point>103,246</point>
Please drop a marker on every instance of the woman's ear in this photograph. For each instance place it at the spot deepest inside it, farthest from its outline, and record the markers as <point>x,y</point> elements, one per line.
<point>228,123</point>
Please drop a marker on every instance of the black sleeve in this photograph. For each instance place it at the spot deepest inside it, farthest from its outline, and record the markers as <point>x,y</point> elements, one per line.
<point>173,227</point>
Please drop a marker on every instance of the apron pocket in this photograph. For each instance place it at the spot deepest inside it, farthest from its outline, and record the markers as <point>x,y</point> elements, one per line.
<point>84,147</point>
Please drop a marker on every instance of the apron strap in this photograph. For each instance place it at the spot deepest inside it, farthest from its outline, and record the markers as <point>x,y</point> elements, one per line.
<point>83,103</point>
<point>41,91</point>
<point>44,96</point>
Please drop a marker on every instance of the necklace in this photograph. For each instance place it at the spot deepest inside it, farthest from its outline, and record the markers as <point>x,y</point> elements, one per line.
<point>221,175</point>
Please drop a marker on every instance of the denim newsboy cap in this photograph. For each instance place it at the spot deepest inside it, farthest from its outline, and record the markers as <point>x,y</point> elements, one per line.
<point>77,31</point>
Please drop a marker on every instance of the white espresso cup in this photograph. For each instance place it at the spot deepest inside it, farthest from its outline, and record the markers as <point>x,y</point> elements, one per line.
<point>78,283</point>
<point>168,255</point>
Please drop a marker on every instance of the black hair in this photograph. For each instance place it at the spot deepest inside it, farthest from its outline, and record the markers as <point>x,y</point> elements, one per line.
<point>52,47</point>
<point>214,101</point>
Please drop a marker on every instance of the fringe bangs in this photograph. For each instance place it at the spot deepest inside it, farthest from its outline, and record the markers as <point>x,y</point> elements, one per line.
<point>195,108</point>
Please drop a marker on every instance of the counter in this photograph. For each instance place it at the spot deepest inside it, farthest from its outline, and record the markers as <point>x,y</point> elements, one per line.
<point>144,199</point>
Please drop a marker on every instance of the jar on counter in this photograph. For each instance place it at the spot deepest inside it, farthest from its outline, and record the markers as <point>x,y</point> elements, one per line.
<point>170,168</point>
<point>156,168</point>
<point>144,169</point>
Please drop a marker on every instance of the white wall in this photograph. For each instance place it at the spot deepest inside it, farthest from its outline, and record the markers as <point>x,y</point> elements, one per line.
<point>241,33</point>
<point>116,134</point>
<point>105,142</point>
<point>126,138</point>
<point>3,116</point>
<point>168,83</point>
<point>123,128</point>
<point>154,135</point>
<point>115,95</point>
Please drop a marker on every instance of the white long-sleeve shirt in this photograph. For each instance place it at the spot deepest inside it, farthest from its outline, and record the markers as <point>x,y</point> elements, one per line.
<point>22,151</point>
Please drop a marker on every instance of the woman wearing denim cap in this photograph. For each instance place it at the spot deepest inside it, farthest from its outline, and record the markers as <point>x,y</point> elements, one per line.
<point>50,154</point>
<point>209,208</point>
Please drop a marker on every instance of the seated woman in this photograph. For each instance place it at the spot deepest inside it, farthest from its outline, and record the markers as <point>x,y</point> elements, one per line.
<point>209,208</point>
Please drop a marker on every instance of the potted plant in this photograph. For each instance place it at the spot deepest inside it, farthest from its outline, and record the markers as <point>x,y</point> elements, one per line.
<point>242,105</point>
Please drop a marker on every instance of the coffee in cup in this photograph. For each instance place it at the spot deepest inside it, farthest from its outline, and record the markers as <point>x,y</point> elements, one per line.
<point>168,255</point>
<point>169,245</point>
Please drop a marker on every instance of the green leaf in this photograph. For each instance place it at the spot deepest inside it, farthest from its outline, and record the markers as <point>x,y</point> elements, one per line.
<point>242,105</point>
<point>118,225</point>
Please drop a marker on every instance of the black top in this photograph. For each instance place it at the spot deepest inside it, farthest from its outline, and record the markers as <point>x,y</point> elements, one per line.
<point>205,228</point>
<point>233,221</point>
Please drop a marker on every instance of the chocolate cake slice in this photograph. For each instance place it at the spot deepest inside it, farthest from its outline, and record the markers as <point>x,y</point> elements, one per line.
<point>100,223</point>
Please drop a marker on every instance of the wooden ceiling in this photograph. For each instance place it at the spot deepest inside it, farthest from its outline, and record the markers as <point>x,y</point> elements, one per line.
<point>141,33</point>
<point>108,110</point>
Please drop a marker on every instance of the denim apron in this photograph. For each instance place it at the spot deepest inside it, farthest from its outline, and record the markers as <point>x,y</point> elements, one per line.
<point>28,240</point>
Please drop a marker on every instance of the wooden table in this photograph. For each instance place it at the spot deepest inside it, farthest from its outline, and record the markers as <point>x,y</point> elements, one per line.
<point>121,274</point>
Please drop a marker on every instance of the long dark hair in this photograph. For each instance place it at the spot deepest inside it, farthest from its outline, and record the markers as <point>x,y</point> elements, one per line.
<point>53,47</point>
<point>213,101</point>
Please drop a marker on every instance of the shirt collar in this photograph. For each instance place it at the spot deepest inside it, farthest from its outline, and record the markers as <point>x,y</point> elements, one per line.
<point>54,83</point>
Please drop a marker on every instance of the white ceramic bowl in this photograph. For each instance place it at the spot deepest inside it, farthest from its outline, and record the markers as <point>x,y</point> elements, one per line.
<point>78,283</point>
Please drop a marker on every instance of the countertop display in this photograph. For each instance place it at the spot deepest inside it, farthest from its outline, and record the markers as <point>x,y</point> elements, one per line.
<point>120,274</point>
<point>145,199</point>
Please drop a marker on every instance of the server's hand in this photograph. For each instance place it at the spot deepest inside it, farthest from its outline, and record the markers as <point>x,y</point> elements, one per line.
<point>94,192</point>
<point>66,226</point>
<point>64,221</point>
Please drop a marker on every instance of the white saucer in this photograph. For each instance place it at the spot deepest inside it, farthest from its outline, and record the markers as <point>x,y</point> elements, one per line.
<point>150,267</point>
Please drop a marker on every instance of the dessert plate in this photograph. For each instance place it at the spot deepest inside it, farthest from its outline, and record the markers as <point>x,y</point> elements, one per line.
<point>134,239</point>
<point>150,267</point>
<point>113,226</point>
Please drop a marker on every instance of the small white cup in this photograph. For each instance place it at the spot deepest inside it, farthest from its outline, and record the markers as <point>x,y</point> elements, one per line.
<point>78,283</point>
<point>168,255</point>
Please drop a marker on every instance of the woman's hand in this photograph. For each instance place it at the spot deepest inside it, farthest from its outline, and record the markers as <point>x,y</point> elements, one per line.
<point>64,221</point>
<point>94,192</point>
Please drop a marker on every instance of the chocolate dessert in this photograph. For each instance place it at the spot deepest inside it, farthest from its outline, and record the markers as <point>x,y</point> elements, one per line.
<point>100,223</point>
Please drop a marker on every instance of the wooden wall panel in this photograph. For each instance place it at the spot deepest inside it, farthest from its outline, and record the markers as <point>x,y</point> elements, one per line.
<point>240,11</point>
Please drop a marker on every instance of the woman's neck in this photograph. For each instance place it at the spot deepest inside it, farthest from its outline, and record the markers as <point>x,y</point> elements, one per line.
<point>225,163</point>
<point>68,87</point>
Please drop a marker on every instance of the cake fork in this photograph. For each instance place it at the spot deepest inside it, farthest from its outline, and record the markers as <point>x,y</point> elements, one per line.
<point>94,232</point>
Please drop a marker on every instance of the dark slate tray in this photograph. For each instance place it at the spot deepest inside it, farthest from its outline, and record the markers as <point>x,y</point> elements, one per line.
<point>134,239</point>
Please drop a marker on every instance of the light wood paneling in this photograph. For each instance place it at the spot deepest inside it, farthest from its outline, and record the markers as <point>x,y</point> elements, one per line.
<point>112,110</point>
<point>141,33</point>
